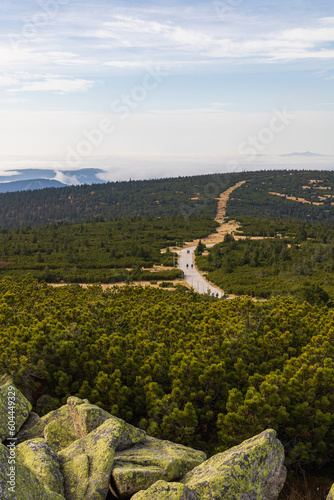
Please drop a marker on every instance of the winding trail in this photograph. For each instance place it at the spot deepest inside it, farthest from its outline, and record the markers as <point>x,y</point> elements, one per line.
<point>186,261</point>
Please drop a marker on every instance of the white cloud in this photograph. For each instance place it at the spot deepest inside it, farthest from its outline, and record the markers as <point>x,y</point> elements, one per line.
<point>66,179</point>
<point>55,85</point>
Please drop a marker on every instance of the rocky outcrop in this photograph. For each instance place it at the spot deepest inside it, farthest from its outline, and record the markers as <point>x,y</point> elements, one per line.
<point>254,469</point>
<point>167,491</point>
<point>145,463</point>
<point>18,481</point>
<point>331,494</point>
<point>82,452</point>
<point>38,456</point>
<point>12,399</point>
<point>32,428</point>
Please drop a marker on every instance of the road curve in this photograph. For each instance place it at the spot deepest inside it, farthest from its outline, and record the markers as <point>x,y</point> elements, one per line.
<point>192,276</point>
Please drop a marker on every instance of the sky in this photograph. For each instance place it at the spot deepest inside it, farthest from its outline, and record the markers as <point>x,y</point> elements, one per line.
<point>148,89</point>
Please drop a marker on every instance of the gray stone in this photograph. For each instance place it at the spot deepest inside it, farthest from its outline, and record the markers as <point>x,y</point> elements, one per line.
<point>331,494</point>
<point>142,465</point>
<point>18,482</point>
<point>12,399</point>
<point>32,428</point>
<point>87,417</point>
<point>166,491</point>
<point>42,460</point>
<point>59,429</point>
<point>86,464</point>
<point>252,470</point>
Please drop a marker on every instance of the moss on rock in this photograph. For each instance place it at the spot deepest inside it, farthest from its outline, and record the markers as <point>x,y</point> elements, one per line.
<point>18,482</point>
<point>138,467</point>
<point>331,494</point>
<point>32,428</point>
<point>166,491</point>
<point>59,429</point>
<point>86,464</point>
<point>87,417</point>
<point>42,460</point>
<point>10,397</point>
<point>252,470</point>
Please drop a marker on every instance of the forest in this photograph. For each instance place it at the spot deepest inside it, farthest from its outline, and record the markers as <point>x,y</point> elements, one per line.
<point>185,196</point>
<point>185,367</point>
<point>294,259</point>
<point>99,251</point>
<point>255,197</point>
<point>191,368</point>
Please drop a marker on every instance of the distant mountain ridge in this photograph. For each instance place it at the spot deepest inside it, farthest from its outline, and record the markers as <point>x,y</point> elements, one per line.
<point>33,178</point>
<point>28,185</point>
<point>306,153</point>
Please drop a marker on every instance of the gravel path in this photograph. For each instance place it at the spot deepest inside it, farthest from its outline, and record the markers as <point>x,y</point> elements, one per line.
<point>192,276</point>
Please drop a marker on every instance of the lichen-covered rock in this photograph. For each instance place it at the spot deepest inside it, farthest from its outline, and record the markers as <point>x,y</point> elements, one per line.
<point>59,429</point>
<point>18,482</point>
<point>12,401</point>
<point>331,494</point>
<point>86,464</point>
<point>32,428</point>
<point>252,470</point>
<point>166,491</point>
<point>87,417</point>
<point>145,463</point>
<point>42,460</point>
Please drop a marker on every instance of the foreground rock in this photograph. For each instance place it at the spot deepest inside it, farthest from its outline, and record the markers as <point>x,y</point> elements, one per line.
<point>142,465</point>
<point>38,456</point>
<point>10,397</point>
<point>80,452</point>
<point>87,417</point>
<point>252,470</point>
<point>20,483</point>
<point>32,428</point>
<point>331,494</point>
<point>166,491</point>
<point>59,428</point>
<point>87,463</point>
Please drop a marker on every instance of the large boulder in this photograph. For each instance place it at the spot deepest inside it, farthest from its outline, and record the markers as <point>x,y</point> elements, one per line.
<point>43,461</point>
<point>87,417</point>
<point>166,491</point>
<point>142,465</point>
<point>32,428</point>
<point>18,482</point>
<point>331,494</point>
<point>86,464</point>
<point>253,469</point>
<point>14,410</point>
<point>59,429</point>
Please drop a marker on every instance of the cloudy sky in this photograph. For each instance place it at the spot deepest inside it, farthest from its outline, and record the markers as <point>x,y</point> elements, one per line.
<point>145,88</point>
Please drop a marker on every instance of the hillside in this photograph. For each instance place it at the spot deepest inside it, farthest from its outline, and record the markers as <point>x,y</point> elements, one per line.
<point>158,198</point>
<point>302,195</point>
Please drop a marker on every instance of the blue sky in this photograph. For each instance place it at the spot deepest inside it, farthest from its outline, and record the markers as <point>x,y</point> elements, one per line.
<point>138,87</point>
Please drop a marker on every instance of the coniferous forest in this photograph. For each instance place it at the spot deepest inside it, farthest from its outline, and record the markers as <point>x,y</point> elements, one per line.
<point>202,371</point>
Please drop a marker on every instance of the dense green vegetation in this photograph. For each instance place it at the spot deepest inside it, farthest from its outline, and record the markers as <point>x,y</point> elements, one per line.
<point>254,199</point>
<point>205,372</point>
<point>297,261</point>
<point>158,198</point>
<point>195,195</point>
<point>106,252</point>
